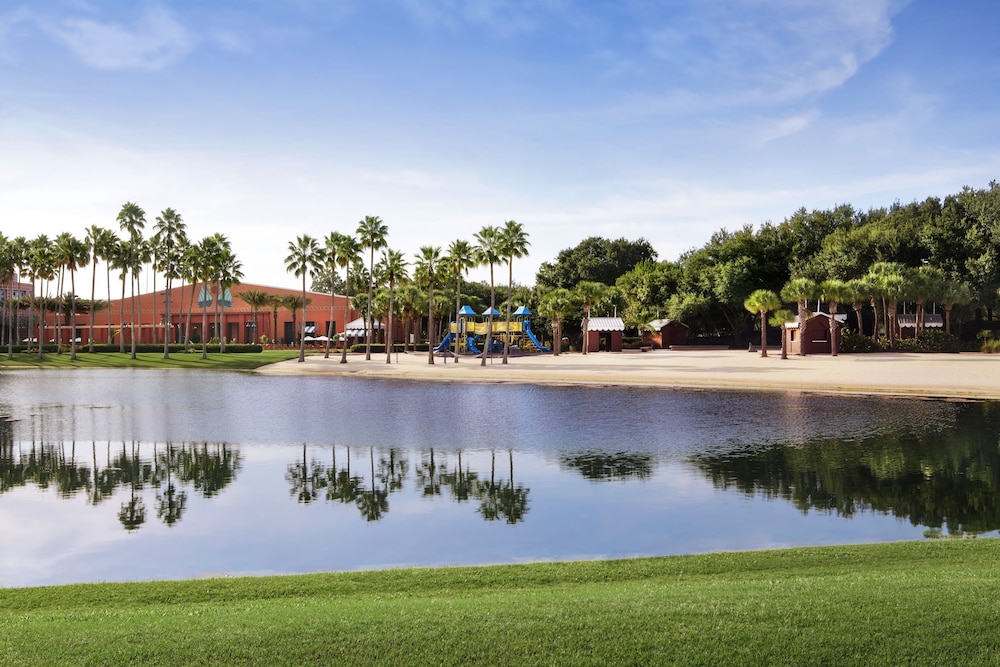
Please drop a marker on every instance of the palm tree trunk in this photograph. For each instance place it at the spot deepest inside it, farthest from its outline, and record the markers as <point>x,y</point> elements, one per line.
<point>93,293</point>
<point>763,333</point>
<point>347,307</point>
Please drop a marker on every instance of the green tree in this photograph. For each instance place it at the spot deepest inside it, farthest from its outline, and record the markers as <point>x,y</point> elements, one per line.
<point>800,290</point>
<point>513,244</point>
<point>256,299</point>
<point>557,305</point>
<point>132,220</point>
<point>589,294</point>
<point>372,233</point>
<point>780,318</point>
<point>488,252</point>
<point>71,253</point>
<point>332,245</point>
<point>834,292</point>
<point>594,259</point>
<point>461,257</point>
<point>393,269</point>
<point>761,301</point>
<point>98,240</point>
<point>303,258</point>
<point>427,271</point>
<point>171,236</point>
<point>348,253</point>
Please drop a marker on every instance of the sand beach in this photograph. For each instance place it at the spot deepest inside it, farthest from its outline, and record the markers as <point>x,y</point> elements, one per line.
<point>958,376</point>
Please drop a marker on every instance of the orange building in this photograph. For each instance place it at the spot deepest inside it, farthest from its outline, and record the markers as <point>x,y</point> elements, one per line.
<point>237,321</point>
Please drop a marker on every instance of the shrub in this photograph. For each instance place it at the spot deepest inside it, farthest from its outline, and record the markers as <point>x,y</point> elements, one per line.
<point>990,347</point>
<point>852,341</point>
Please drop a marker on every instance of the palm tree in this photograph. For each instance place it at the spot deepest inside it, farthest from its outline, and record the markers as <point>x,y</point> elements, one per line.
<point>953,294</point>
<point>799,290</point>
<point>132,219</point>
<point>409,299</point>
<point>293,303</point>
<point>303,258</point>
<point>119,260</point>
<point>488,252</point>
<point>275,302</point>
<point>780,318</point>
<point>461,257</point>
<point>8,269</point>
<point>72,253</point>
<point>513,244</point>
<point>170,236</point>
<point>761,301</point>
<point>98,242</point>
<point>557,305</point>
<point>228,272</point>
<point>256,299</point>
<point>834,292</point>
<point>202,262</point>
<point>890,283</point>
<point>860,291</point>
<point>589,293</point>
<point>372,234</point>
<point>348,253</point>
<point>331,247</point>
<point>428,266</point>
<point>393,268</point>
<point>41,262</point>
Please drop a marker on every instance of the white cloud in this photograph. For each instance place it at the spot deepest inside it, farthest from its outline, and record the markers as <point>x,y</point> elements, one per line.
<point>153,42</point>
<point>775,52</point>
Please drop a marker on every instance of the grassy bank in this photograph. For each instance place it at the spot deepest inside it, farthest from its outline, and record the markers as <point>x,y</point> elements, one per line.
<point>917,602</point>
<point>147,360</point>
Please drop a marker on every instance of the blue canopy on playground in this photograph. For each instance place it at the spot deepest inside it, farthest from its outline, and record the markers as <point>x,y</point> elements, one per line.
<point>522,311</point>
<point>466,310</point>
<point>495,313</point>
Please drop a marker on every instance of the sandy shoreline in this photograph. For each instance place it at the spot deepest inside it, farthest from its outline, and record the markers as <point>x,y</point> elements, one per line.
<point>964,376</point>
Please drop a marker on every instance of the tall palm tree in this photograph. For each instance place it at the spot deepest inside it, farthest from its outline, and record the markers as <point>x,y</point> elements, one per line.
<point>256,299</point>
<point>119,260</point>
<point>799,290</point>
<point>513,244</point>
<point>393,269</point>
<point>780,318</point>
<point>72,253</point>
<point>409,299</point>
<point>557,305</point>
<point>488,252</point>
<point>132,220</point>
<point>8,269</point>
<point>372,233</point>
<point>304,258</point>
<point>41,262</point>
<point>228,272</point>
<point>461,257</point>
<point>889,280</point>
<point>294,303</point>
<point>589,293</point>
<point>348,253</point>
<point>170,236</point>
<point>274,302</point>
<point>953,294</point>
<point>428,267</point>
<point>761,301</point>
<point>860,291</point>
<point>331,248</point>
<point>99,241</point>
<point>834,292</point>
<point>202,262</point>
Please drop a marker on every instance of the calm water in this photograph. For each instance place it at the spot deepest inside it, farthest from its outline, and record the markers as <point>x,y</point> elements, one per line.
<point>120,475</point>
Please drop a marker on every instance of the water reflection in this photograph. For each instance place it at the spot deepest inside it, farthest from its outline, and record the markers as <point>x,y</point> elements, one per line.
<point>157,475</point>
<point>170,470</point>
<point>942,479</point>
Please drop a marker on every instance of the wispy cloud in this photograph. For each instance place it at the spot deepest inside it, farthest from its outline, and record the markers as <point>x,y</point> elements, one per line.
<point>774,52</point>
<point>504,17</point>
<point>152,42</point>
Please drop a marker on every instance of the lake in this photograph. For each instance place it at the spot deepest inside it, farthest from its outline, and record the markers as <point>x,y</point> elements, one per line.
<point>136,475</point>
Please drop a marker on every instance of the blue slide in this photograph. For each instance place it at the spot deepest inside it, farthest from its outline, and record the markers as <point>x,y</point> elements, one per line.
<point>531,336</point>
<point>470,345</point>
<point>446,343</point>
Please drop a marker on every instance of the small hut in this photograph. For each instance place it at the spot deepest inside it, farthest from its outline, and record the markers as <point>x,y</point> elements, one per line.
<point>815,335</point>
<point>665,333</point>
<point>605,333</point>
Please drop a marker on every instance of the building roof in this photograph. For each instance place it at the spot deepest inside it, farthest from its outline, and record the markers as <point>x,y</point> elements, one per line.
<point>606,324</point>
<point>659,324</point>
<point>931,320</point>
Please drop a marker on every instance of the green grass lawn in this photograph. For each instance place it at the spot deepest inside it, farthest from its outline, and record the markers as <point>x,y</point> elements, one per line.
<point>904,603</point>
<point>148,360</point>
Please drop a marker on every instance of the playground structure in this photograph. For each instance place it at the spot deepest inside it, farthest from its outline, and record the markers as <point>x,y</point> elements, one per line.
<point>468,335</point>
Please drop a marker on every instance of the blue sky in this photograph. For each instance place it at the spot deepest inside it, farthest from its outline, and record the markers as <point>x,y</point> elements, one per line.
<point>666,120</point>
